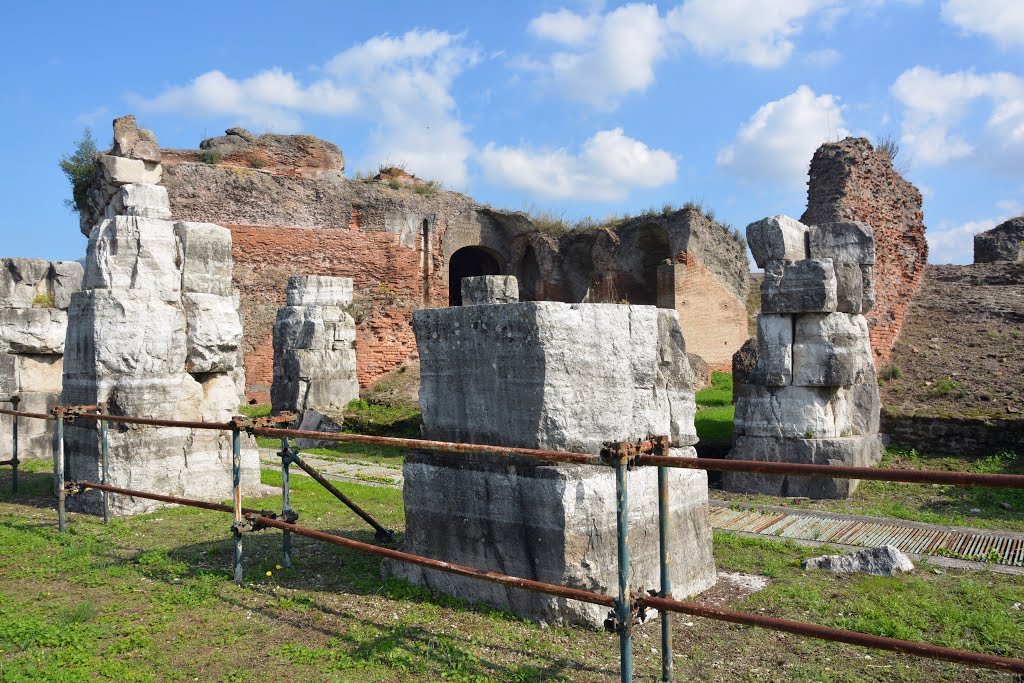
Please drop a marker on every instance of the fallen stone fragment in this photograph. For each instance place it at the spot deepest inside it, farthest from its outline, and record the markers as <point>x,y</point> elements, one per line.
<point>848,242</point>
<point>884,560</point>
<point>777,238</point>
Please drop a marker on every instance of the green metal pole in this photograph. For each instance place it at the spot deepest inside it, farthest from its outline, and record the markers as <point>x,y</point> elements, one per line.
<point>15,400</point>
<point>58,472</point>
<point>622,606</point>
<point>236,473</point>
<point>286,499</point>
<point>666,576</point>
<point>104,465</point>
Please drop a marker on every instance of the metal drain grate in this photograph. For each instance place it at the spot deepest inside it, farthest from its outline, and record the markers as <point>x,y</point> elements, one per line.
<point>980,547</point>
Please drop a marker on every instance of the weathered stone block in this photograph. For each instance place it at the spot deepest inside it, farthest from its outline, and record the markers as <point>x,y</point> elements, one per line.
<point>40,372</point>
<point>9,375</point>
<point>35,437</point>
<point>171,397</point>
<point>122,171</point>
<point>857,451</point>
<point>32,330</point>
<point>319,290</point>
<point>831,350</point>
<point>849,288</point>
<point>792,412</point>
<point>65,278</point>
<point>867,288</point>
<point>777,238</point>
<point>131,252</point>
<point>124,333</point>
<point>774,350</point>
<point>490,289</point>
<point>860,407</point>
<point>848,242</point>
<point>148,201</point>
<point>21,281</point>
<point>1005,242</point>
<point>548,523</point>
<point>206,261</point>
<point>213,334</point>
<point>807,286</point>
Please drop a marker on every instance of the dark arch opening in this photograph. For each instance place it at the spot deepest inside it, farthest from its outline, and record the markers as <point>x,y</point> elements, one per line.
<point>528,274</point>
<point>653,249</point>
<point>468,262</point>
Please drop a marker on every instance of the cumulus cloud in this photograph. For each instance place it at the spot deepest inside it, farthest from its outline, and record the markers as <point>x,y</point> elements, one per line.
<point>747,31</point>
<point>777,142</point>
<point>401,83</point>
<point>607,167</point>
<point>614,54</point>
<point>936,122</point>
<point>1001,20</point>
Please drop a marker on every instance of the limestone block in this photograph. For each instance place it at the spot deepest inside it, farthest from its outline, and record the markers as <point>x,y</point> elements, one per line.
<point>832,350</point>
<point>206,258</point>
<point>792,412</point>
<point>320,420</point>
<point>21,281</point>
<point>867,288</point>
<point>548,523</point>
<point>122,171</point>
<point>490,289</point>
<point>171,397</point>
<point>149,201</point>
<point>32,330</point>
<point>774,350</point>
<point>134,142</point>
<point>314,358</point>
<point>319,290</point>
<point>1005,242</point>
<point>65,278</point>
<point>675,381</point>
<point>807,286</point>
<point>131,252</point>
<point>859,408</point>
<point>213,334</point>
<point>849,287</point>
<point>777,238</point>
<point>847,242</point>
<point>858,451</point>
<point>40,372</point>
<point>10,382</point>
<point>744,362</point>
<point>35,437</point>
<point>220,398</point>
<point>114,333</point>
<point>548,375</point>
<point>886,560</point>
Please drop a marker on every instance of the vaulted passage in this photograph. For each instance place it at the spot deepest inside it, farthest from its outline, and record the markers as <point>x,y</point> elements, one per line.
<point>468,262</point>
<point>528,274</point>
<point>653,249</point>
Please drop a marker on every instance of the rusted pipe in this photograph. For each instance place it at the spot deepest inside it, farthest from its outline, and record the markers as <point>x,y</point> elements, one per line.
<point>19,413</point>
<point>382,534</point>
<point>3,463</point>
<point>838,635</point>
<point>157,496</point>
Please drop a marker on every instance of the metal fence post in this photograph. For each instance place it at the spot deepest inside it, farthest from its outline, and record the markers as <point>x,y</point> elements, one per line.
<point>104,464</point>
<point>15,400</point>
<point>286,500</point>
<point>58,469</point>
<point>664,536</point>
<point>236,474</point>
<point>623,611</point>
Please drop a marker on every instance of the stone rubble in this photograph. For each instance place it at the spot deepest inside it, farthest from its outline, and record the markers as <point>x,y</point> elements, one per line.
<point>154,332</point>
<point>1005,242</point>
<point>314,353</point>
<point>34,297</point>
<point>551,376</point>
<point>886,560</point>
<point>812,395</point>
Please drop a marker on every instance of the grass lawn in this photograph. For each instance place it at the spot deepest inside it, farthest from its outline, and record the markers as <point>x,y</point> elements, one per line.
<point>149,598</point>
<point>715,410</point>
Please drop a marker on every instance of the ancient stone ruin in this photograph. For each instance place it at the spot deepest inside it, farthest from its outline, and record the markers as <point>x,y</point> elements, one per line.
<point>552,376</point>
<point>1005,242</point>
<point>154,333</point>
<point>850,180</point>
<point>34,298</point>
<point>812,396</point>
<point>314,352</point>
<point>407,243</point>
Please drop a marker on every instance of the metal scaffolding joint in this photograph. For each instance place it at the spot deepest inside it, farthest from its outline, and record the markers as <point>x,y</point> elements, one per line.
<point>250,425</point>
<point>626,452</point>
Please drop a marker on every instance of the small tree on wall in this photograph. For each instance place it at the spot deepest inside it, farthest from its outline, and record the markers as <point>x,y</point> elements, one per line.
<point>78,169</point>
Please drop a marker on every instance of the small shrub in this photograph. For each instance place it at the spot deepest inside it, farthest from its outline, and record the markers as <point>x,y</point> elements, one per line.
<point>394,185</point>
<point>145,135</point>
<point>256,162</point>
<point>210,156</point>
<point>945,386</point>
<point>891,372</point>
<point>42,301</point>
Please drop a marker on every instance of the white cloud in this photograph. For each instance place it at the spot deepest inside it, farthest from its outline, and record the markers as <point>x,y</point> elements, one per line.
<point>91,118</point>
<point>400,83</point>
<point>777,142</point>
<point>823,58</point>
<point>608,165</point>
<point>748,31</point>
<point>616,52</point>
<point>936,125</point>
<point>1001,20</point>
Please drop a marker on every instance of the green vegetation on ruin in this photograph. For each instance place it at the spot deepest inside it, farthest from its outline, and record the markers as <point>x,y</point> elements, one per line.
<point>150,598</point>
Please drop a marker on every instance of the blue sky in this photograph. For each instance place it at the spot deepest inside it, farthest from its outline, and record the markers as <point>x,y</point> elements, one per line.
<point>583,108</point>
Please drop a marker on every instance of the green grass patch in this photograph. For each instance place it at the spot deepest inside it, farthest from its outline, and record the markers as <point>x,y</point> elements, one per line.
<point>720,391</point>
<point>715,424</point>
<point>363,417</point>
<point>258,410</point>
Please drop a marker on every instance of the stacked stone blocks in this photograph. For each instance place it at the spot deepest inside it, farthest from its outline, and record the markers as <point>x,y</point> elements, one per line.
<point>812,396</point>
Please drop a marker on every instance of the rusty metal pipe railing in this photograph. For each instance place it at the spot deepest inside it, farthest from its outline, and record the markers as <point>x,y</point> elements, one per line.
<point>21,413</point>
<point>682,607</point>
<point>190,502</point>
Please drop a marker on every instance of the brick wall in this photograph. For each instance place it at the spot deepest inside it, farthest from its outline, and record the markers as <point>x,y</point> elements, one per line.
<point>712,316</point>
<point>850,181</point>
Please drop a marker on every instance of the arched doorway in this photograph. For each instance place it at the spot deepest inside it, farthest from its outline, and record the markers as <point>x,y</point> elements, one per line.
<point>653,249</point>
<point>468,262</point>
<point>528,274</point>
